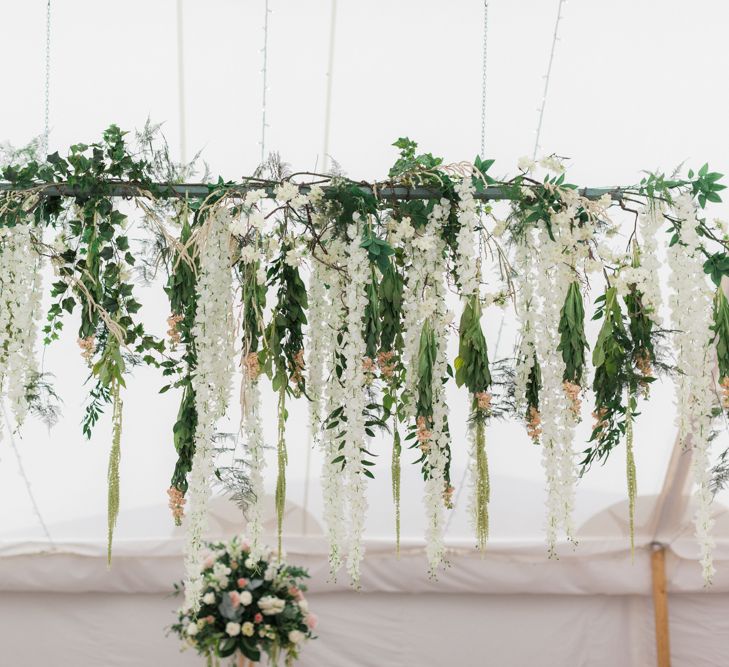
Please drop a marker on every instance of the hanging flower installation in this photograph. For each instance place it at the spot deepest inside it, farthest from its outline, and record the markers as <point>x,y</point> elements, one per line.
<point>336,292</point>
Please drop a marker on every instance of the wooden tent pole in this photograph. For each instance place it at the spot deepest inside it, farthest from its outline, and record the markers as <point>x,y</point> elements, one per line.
<point>660,605</point>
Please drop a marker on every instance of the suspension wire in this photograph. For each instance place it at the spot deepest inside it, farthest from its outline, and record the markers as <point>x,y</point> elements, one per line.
<point>47,106</point>
<point>181,84</point>
<point>462,483</point>
<point>330,75</point>
<point>265,82</point>
<point>26,479</point>
<point>483,78</point>
<point>555,39</point>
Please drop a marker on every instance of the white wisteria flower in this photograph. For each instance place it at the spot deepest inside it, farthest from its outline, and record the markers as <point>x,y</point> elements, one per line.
<point>354,397</point>
<point>690,303</point>
<point>252,197</point>
<point>20,303</point>
<point>286,191</point>
<point>214,333</point>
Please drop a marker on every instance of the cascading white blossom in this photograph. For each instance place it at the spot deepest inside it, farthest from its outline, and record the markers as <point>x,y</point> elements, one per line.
<point>20,300</point>
<point>214,338</point>
<point>650,222</point>
<point>320,339</point>
<point>690,303</point>
<point>466,264</point>
<point>552,285</point>
<point>354,396</point>
<point>252,428</point>
<point>527,315</point>
<point>325,351</point>
<point>428,252</point>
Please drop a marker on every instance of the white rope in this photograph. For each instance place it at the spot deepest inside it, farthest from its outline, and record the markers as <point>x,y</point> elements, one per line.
<point>47,107</point>
<point>483,78</point>
<point>555,38</point>
<point>181,84</point>
<point>330,75</point>
<point>265,83</point>
<point>26,480</point>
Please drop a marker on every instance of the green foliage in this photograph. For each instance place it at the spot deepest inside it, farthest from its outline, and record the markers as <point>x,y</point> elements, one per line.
<point>472,362</point>
<point>611,359</point>
<point>181,290</point>
<point>721,332</point>
<point>391,288</point>
<point>285,333</point>
<point>704,185</point>
<point>717,266</point>
<point>410,165</point>
<point>254,302</point>
<point>533,386</point>
<point>573,343</point>
<point>372,328</point>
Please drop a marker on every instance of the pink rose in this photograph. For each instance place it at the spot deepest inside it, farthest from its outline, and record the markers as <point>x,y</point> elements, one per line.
<point>258,618</point>
<point>311,621</point>
<point>208,562</point>
<point>245,546</point>
<point>210,619</point>
<point>295,593</point>
<point>242,582</point>
<point>235,598</point>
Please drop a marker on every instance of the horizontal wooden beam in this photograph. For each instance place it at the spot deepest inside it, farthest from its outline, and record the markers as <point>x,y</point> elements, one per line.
<point>201,190</point>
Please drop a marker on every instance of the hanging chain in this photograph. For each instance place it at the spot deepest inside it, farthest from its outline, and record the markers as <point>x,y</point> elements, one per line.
<point>483,78</point>
<point>265,83</point>
<point>555,39</point>
<point>47,108</point>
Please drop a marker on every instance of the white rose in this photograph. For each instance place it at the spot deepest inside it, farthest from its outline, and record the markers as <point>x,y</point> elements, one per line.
<point>248,629</point>
<point>250,563</point>
<point>209,598</point>
<point>304,605</point>
<point>233,629</point>
<point>296,636</point>
<point>271,605</point>
<point>191,629</point>
<point>245,598</point>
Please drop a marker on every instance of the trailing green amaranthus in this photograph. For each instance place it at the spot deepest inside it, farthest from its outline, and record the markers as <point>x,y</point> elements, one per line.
<point>472,370</point>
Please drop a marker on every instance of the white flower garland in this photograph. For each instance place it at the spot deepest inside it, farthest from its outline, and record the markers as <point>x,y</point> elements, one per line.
<point>690,304</point>
<point>319,341</point>
<point>650,222</point>
<point>466,242</point>
<point>428,255</point>
<point>21,290</point>
<point>332,479</point>
<point>253,430</point>
<point>354,396</point>
<point>553,279</point>
<point>214,337</point>
<point>527,315</point>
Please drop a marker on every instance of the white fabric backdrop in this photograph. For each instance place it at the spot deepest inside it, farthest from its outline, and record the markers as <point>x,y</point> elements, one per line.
<point>380,630</point>
<point>514,607</point>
